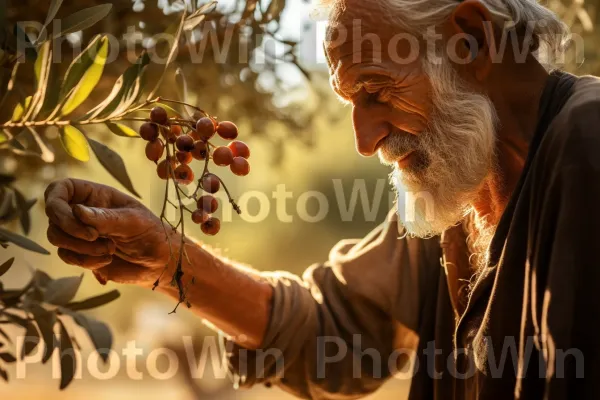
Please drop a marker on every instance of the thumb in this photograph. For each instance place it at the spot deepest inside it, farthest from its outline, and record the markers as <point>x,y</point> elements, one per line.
<point>106,220</point>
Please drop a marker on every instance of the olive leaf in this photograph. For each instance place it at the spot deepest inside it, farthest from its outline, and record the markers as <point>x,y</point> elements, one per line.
<point>124,93</point>
<point>23,42</point>
<point>5,336</point>
<point>61,291</point>
<point>31,340</point>
<point>172,53</point>
<point>182,90</point>
<point>21,241</point>
<point>94,302</point>
<point>80,64</point>
<point>121,130</point>
<point>23,206</point>
<point>75,143</point>
<point>54,6</point>
<point>19,109</point>
<point>6,266</point>
<point>171,112</point>
<point>7,358</point>
<point>84,74</point>
<point>82,19</point>
<point>113,163</point>
<point>45,321</point>
<point>42,67</point>
<point>41,279</point>
<point>68,361</point>
<point>98,332</point>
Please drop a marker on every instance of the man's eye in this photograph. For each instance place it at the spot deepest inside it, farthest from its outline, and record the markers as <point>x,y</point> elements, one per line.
<point>374,98</point>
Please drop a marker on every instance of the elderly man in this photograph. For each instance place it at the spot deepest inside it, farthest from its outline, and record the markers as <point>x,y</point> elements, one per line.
<point>492,291</point>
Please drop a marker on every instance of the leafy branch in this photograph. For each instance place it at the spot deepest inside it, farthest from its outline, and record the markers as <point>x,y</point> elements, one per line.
<point>38,308</point>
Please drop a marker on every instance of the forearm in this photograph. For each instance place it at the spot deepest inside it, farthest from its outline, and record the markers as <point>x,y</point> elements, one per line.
<point>230,296</point>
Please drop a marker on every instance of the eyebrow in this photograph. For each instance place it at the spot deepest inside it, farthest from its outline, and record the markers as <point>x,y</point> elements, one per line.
<point>346,92</point>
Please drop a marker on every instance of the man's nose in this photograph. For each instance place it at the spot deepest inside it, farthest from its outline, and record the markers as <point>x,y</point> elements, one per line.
<point>370,127</point>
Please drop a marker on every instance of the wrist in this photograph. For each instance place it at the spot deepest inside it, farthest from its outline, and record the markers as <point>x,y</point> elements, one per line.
<point>178,252</point>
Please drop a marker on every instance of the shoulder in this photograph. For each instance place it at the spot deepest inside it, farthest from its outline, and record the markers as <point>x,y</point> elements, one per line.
<point>573,137</point>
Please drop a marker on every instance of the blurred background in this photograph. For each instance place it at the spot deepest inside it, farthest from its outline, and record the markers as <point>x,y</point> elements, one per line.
<point>301,142</point>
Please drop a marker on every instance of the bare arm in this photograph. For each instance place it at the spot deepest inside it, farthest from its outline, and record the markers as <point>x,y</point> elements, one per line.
<point>103,230</point>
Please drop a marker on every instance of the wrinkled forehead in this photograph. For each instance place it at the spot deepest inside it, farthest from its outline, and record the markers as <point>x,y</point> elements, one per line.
<point>362,38</point>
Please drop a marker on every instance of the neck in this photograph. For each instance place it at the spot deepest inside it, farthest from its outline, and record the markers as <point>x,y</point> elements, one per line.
<point>517,107</point>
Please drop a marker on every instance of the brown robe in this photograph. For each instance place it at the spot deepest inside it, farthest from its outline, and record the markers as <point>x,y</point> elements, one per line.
<point>527,330</point>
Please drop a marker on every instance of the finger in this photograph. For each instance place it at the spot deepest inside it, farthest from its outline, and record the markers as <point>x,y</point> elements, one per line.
<point>58,197</point>
<point>98,247</point>
<point>122,271</point>
<point>84,261</point>
<point>108,221</point>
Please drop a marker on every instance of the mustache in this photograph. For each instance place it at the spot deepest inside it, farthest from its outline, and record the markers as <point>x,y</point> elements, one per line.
<point>398,144</point>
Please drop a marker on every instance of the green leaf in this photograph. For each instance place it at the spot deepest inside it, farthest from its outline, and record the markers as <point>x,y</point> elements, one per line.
<point>42,68</point>
<point>54,6</point>
<point>113,163</point>
<point>6,266</point>
<point>20,109</point>
<point>98,332</point>
<point>21,241</point>
<point>80,65</point>
<point>42,58</point>
<point>24,43</point>
<point>121,130</point>
<point>41,279</point>
<point>5,336</point>
<point>171,57</point>
<point>31,340</point>
<point>61,291</point>
<point>7,358</point>
<point>171,112</point>
<point>82,19</point>
<point>94,302</point>
<point>89,78</point>
<point>125,92</point>
<point>75,143</point>
<point>68,361</point>
<point>3,136</point>
<point>182,89</point>
<point>45,321</point>
<point>15,318</point>
<point>23,206</point>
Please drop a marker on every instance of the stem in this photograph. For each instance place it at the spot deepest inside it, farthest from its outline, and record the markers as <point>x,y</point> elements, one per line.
<point>185,104</point>
<point>233,203</point>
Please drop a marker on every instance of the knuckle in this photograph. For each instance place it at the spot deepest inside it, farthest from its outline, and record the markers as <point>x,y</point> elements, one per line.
<point>69,257</point>
<point>52,235</point>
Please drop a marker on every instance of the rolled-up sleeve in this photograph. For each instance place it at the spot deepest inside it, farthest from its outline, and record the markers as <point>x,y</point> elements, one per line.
<point>333,332</point>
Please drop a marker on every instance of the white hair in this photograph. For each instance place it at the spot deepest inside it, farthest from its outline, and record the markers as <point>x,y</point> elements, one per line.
<point>549,33</point>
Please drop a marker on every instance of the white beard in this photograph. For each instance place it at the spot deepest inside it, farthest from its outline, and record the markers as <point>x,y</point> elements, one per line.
<point>454,156</point>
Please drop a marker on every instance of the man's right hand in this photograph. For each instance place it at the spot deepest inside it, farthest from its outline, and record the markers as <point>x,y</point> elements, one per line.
<point>104,230</point>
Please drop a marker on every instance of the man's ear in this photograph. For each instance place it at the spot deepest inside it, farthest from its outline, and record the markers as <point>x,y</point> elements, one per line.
<point>472,20</point>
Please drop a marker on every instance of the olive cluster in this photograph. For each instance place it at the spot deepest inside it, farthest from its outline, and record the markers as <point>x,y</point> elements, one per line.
<point>190,140</point>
